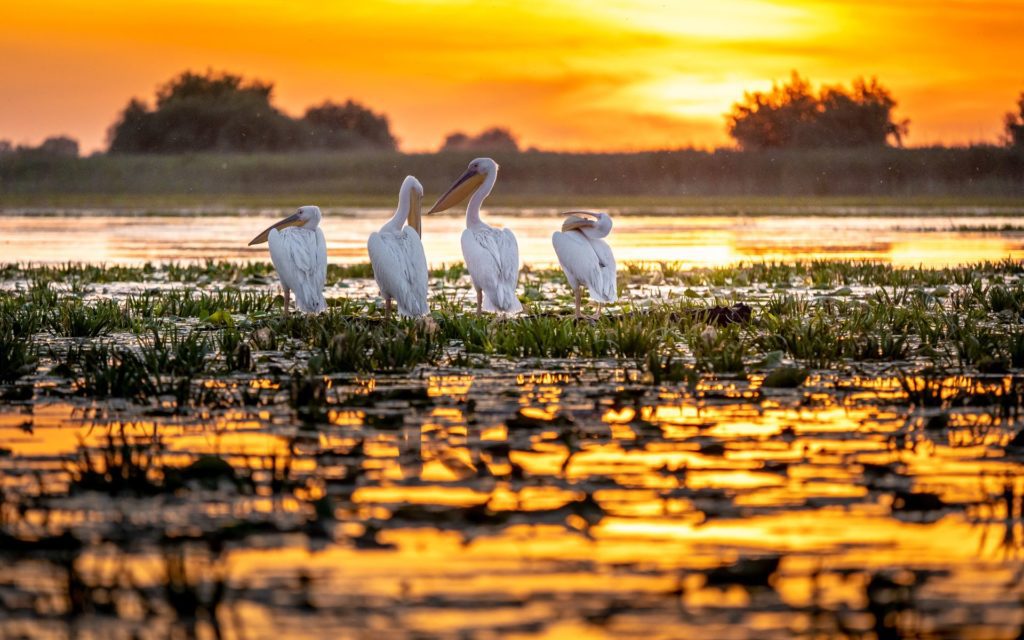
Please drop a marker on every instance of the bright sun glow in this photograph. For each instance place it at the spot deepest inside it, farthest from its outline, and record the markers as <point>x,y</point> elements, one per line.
<point>628,74</point>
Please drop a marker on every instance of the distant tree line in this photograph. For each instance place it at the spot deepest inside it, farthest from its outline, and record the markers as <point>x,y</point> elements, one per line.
<point>224,112</point>
<point>196,112</point>
<point>52,147</point>
<point>495,139</point>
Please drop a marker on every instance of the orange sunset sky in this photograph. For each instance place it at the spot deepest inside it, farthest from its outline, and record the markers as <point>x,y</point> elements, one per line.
<point>562,74</point>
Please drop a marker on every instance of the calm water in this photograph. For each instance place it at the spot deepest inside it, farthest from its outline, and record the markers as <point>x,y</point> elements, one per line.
<point>727,512</point>
<point>527,499</point>
<point>699,241</point>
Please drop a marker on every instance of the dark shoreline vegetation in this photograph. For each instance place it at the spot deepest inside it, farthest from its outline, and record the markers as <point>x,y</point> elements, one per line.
<point>985,172</point>
<point>927,365</point>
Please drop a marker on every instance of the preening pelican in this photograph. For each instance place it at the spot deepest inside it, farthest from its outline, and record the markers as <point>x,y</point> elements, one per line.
<point>491,255</point>
<point>299,253</point>
<point>585,257</point>
<point>396,254</point>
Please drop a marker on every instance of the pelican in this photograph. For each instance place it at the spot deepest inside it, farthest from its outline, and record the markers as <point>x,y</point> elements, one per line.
<point>491,255</point>
<point>299,253</point>
<point>585,257</point>
<point>396,254</point>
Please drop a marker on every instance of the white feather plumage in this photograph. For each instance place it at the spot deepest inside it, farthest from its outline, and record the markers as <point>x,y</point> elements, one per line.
<point>587,262</point>
<point>300,256</point>
<point>397,257</point>
<point>492,259</point>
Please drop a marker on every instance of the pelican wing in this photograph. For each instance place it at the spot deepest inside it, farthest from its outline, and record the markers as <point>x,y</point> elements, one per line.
<point>587,262</point>
<point>400,269</point>
<point>300,257</point>
<point>609,289</point>
<point>492,258</point>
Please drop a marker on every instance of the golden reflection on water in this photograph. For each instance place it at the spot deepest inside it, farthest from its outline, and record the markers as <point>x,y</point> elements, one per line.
<point>482,522</point>
<point>697,241</point>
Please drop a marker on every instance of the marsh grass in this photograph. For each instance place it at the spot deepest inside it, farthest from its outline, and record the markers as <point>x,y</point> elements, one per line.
<point>18,356</point>
<point>898,316</point>
<point>235,350</point>
<point>166,350</point>
<point>814,273</point>
<point>111,371</point>
<point>354,345</point>
<point>20,316</point>
<point>189,303</point>
<point>719,350</point>
<point>76,319</point>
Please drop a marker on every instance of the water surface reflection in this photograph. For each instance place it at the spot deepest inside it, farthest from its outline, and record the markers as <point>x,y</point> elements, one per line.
<point>526,503</point>
<point>697,241</point>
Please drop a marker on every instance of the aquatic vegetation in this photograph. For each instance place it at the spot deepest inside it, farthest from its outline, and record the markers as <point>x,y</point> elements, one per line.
<point>199,304</point>
<point>649,446</point>
<point>357,346</point>
<point>719,350</point>
<point>76,319</point>
<point>17,356</point>
<point>815,340</point>
<point>108,371</point>
<point>20,316</point>
<point>536,337</point>
<point>120,466</point>
<point>636,335</point>
<point>785,378</point>
<point>235,349</point>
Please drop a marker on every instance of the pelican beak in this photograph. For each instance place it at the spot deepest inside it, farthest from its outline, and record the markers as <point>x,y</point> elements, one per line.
<point>415,218</point>
<point>290,221</point>
<point>577,221</point>
<point>459,191</point>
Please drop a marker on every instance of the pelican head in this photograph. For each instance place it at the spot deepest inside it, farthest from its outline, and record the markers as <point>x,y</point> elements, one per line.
<point>468,182</point>
<point>307,216</point>
<point>590,224</point>
<point>412,191</point>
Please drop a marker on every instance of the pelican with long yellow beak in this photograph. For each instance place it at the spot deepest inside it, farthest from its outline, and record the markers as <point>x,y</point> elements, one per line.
<point>491,255</point>
<point>586,258</point>
<point>298,250</point>
<point>396,255</point>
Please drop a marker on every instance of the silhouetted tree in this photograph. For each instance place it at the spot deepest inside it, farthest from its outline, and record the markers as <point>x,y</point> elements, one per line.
<point>224,112</point>
<point>54,146</point>
<point>205,112</point>
<point>792,116</point>
<point>1015,125</point>
<point>342,126</point>
<point>493,139</point>
<point>455,141</point>
<point>59,146</point>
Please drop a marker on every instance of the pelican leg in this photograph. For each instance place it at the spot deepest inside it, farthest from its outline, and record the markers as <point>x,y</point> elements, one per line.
<point>579,300</point>
<point>287,300</point>
<point>600,307</point>
<point>479,301</point>
<point>387,308</point>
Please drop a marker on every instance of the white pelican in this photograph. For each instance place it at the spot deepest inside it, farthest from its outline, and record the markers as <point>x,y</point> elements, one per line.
<point>585,257</point>
<point>299,253</point>
<point>491,255</point>
<point>396,254</point>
